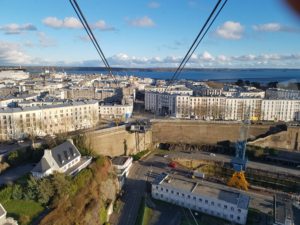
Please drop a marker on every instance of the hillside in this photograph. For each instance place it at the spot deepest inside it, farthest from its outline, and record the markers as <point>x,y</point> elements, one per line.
<point>88,202</point>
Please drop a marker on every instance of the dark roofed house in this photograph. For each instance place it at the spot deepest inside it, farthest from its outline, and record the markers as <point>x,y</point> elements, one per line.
<point>64,158</point>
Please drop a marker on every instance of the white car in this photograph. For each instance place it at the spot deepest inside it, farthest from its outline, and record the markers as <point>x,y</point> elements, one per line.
<point>212,154</point>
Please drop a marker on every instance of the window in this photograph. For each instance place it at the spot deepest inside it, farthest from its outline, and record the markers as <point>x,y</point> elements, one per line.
<point>238,218</point>
<point>225,206</point>
<point>232,209</point>
<point>200,199</point>
<point>206,201</point>
<point>239,210</point>
<point>231,216</point>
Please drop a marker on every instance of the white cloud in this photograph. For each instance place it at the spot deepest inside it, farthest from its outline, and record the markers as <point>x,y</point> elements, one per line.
<point>153,5</point>
<point>12,54</point>
<point>101,25</point>
<point>275,27</point>
<point>14,28</point>
<point>68,22</point>
<point>230,30</point>
<point>142,22</point>
<point>74,23</point>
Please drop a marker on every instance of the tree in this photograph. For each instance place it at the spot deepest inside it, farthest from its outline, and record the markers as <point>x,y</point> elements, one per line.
<point>273,84</point>
<point>45,191</point>
<point>61,185</point>
<point>239,82</point>
<point>17,192</point>
<point>31,191</point>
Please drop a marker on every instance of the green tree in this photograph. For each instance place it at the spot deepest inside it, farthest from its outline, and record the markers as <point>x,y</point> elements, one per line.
<point>31,191</point>
<point>61,184</point>
<point>17,192</point>
<point>45,191</point>
<point>13,158</point>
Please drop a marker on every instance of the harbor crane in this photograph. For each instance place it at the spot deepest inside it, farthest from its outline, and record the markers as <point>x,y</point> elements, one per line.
<point>239,162</point>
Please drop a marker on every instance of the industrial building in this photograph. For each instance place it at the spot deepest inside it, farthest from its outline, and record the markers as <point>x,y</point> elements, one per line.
<point>228,205</point>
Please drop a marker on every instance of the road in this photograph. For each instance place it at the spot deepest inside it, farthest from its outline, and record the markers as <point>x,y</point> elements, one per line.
<point>14,173</point>
<point>134,191</point>
<point>149,168</point>
<point>226,158</point>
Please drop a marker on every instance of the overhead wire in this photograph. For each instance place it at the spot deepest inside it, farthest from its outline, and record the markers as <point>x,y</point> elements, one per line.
<point>197,41</point>
<point>219,11</point>
<point>92,37</point>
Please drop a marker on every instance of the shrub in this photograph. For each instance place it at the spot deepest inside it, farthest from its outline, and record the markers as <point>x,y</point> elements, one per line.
<point>17,192</point>
<point>5,194</point>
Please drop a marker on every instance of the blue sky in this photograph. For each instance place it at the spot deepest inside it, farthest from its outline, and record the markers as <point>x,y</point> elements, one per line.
<point>145,33</point>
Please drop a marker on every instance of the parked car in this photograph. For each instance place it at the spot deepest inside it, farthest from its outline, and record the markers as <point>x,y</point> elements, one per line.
<point>172,165</point>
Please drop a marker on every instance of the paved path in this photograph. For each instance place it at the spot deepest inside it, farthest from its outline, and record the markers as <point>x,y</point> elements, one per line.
<point>134,190</point>
<point>14,173</point>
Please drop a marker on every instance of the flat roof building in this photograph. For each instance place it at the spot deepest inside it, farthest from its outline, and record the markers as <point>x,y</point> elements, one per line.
<point>228,205</point>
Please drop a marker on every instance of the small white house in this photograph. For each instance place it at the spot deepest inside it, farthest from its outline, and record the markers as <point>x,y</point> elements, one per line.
<point>64,158</point>
<point>122,165</point>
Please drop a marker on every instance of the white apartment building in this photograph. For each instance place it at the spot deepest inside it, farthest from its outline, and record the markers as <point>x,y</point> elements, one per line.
<point>238,108</point>
<point>280,109</point>
<point>211,108</point>
<point>228,205</point>
<point>160,103</point>
<point>278,93</point>
<point>115,111</point>
<point>18,123</point>
<point>174,89</point>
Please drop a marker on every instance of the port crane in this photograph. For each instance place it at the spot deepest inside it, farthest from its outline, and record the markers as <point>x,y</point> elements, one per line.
<point>239,162</point>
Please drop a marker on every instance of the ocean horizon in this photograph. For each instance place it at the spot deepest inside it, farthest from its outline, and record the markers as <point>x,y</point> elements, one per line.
<point>225,75</point>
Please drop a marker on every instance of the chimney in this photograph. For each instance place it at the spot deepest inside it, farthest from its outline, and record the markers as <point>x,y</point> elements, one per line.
<point>71,140</point>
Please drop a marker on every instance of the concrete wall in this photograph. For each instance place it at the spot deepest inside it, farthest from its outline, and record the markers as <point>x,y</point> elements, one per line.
<point>196,132</point>
<point>284,140</point>
<point>111,141</point>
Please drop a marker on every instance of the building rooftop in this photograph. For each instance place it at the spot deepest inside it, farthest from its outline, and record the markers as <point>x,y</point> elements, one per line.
<point>120,160</point>
<point>2,211</point>
<point>236,198</point>
<point>283,209</point>
<point>33,108</point>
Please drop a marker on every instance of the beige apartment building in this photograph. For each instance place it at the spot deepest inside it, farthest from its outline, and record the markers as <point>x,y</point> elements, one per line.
<point>16,123</point>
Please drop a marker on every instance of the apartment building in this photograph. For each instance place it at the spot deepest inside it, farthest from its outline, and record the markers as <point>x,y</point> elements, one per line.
<point>280,109</point>
<point>212,108</point>
<point>225,204</point>
<point>19,122</point>
<point>115,111</point>
<point>278,93</point>
<point>160,103</point>
<point>238,108</point>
